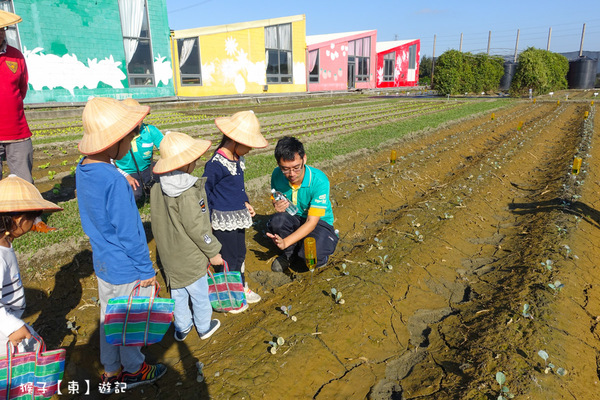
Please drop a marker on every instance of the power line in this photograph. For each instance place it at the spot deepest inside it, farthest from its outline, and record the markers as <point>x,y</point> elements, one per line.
<point>190,6</point>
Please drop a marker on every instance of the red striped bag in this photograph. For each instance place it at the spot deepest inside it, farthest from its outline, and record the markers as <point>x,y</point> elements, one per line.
<point>31,375</point>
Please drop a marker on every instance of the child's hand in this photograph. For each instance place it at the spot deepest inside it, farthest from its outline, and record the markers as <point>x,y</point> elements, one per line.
<point>216,260</point>
<point>250,209</point>
<point>148,282</point>
<point>17,336</point>
<point>132,182</point>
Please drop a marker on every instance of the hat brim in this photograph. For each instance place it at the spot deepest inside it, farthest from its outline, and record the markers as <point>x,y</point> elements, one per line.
<point>88,145</point>
<point>229,129</point>
<point>28,205</point>
<point>194,152</point>
<point>8,19</point>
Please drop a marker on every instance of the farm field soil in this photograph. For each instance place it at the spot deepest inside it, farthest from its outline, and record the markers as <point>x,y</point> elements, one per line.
<point>442,251</point>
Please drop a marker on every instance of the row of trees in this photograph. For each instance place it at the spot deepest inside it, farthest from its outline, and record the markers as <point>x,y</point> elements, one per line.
<point>456,72</point>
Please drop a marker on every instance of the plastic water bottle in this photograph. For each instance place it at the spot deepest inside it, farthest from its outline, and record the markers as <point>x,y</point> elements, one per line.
<point>291,209</point>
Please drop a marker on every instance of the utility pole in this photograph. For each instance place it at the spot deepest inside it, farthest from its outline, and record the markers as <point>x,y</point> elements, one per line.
<point>517,45</point>
<point>489,40</point>
<point>581,47</point>
<point>461,38</point>
<point>549,36</point>
<point>433,61</point>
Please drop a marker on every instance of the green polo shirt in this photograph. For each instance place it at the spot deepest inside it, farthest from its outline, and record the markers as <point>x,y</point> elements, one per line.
<point>311,198</point>
<point>142,147</point>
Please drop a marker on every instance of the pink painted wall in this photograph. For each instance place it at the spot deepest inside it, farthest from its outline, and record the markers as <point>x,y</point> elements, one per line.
<point>401,73</point>
<point>333,64</point>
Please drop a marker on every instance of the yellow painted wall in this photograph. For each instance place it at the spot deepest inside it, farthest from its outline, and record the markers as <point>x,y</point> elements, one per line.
<point>234,63</point>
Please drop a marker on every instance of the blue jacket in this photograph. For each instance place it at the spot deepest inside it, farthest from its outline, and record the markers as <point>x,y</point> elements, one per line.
<point>110,218</point>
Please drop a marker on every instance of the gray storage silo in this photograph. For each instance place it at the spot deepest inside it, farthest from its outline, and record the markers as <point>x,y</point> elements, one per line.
<point>582,73</point>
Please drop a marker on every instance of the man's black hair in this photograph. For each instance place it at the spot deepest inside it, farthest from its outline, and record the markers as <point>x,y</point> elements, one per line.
<point>287,148</point>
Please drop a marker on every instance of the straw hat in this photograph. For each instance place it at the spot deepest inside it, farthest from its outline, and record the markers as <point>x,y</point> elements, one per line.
<point>16,194</point>
<point>106,121</point>
<point>178,149</point>
<point>130,102</point>
<point>8,19</point>
<point>244,128</point>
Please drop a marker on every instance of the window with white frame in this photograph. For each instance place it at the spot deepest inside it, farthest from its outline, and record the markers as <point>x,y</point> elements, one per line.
<point>12,34</point>
<point>278,49</point>
<point>136,41</point>
<point>313,66</point>
<point>389,63</point>
<point>361,50</point>
<point>189,61</point>
<point>412,56</point>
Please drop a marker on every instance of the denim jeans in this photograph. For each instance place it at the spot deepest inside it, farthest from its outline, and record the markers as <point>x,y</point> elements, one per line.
<point>201,311</point>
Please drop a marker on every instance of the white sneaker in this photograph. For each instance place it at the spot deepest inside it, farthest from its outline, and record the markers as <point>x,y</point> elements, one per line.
<point>239,310</point>
<point>251,297</point>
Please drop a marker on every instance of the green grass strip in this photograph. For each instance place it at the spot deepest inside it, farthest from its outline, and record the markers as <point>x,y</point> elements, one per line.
<point>262,164</point>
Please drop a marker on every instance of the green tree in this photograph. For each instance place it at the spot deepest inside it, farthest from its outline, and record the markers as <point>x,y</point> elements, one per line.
<point>425,65</point>
<point>540,70</point>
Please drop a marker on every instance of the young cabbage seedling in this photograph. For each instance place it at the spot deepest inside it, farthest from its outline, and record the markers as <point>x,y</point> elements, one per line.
<point>276,344</point>
<point>526,312</point>
<point>286,311</point>
<point>504,390</point>
<point>337,296</point>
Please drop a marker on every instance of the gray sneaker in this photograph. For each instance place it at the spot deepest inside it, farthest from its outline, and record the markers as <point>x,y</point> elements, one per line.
<point>214,325</point>
<point>280,264</point>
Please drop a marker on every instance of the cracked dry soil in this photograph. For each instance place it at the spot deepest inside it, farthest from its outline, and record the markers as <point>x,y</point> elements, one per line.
<point>442,251</point>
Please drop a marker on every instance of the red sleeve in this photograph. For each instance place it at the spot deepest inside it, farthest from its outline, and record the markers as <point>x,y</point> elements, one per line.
<point>23,86</point>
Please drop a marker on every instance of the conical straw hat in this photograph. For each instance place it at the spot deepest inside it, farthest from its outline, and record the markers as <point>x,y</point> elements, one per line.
<point>16,194</point>
<point>106,121</point>
<point>244,128</point>
<point>8,19</point>
<point>132,102</point>
<point>178,149</point>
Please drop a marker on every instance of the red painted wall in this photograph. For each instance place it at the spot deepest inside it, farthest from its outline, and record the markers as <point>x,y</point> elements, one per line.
<point>401,74</point>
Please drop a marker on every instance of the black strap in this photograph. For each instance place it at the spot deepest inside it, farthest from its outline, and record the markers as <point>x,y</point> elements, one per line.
<point>143,184</point>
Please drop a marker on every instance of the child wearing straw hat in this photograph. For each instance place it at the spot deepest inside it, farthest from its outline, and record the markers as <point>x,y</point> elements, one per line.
<point>110,218</point>
<point>181,228</point>
<point>135,166</point>
<point>20,205</point>
<point>231,212</point>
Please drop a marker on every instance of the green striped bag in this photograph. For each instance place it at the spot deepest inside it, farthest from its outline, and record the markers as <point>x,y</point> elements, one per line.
<point>138,320</point>
<point>225,289</point>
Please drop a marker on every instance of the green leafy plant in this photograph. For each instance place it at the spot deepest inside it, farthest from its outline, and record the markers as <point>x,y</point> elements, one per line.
<point>276,343</point>
<point>337,296</point>
<point>504,390</point>
<point>286,310</point>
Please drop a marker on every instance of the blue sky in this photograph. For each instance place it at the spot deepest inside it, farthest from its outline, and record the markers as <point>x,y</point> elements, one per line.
<point>400,20</point>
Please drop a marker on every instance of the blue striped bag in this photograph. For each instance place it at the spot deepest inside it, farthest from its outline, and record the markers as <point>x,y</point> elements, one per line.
<point>31,375</point>
<point>225,289</point>
<point>138,320</point>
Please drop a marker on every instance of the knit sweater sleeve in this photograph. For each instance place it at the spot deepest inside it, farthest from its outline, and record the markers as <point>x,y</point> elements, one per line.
<point>213,172</point>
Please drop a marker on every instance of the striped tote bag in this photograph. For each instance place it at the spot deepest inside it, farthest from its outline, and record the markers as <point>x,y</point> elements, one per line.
<point>138,320</point>
<point>225,289</point>
<point>31,375</point>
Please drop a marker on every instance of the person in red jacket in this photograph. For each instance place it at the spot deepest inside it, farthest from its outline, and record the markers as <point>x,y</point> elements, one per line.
<point>15,137</point>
